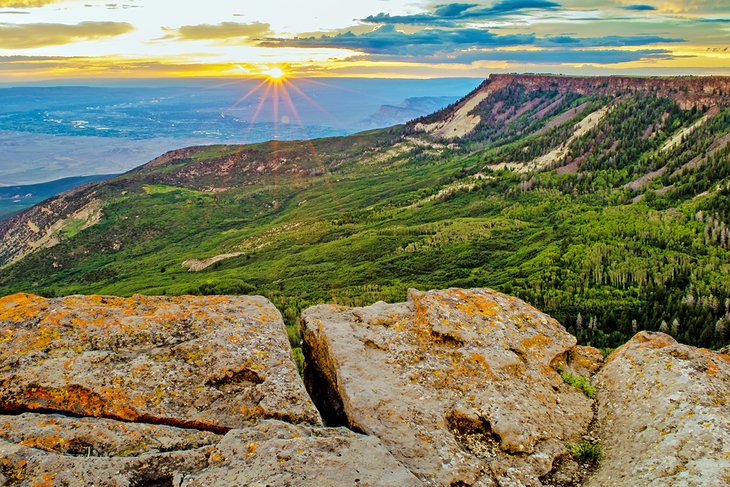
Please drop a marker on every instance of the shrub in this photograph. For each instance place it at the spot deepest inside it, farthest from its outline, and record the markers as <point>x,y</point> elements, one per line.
<point>577,381</point>
<point>586,451</point>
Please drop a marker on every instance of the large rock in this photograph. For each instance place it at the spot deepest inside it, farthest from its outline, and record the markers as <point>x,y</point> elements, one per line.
<point>99,437</point>
<point>41,450</point>
<point>29,467</point>
<point>459,385</point>
<point>52,450</point>
<point>282,454</point>
<point>664,415</point>
<point>212,363</point>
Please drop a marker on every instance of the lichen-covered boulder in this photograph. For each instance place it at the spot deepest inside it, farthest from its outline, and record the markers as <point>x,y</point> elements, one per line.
<point>664,415</point>
<point>212,363</point>
<point>21,466</point>
<point>50,450</point>
<point>99,437</point>
<point>459,384</point>
<point>282,454</point>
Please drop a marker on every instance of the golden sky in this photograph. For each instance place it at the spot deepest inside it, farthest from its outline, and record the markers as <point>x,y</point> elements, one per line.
<point>51,39</point>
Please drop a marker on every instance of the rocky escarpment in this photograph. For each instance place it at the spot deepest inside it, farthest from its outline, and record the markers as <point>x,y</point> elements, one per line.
<point>489,103</point>
<point>687,91</point>
<point>454,387</point>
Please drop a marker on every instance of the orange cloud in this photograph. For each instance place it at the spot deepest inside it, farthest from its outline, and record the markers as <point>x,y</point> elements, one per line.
<point>224,30</point>
<point>25,3</point>
<point>25,36</point>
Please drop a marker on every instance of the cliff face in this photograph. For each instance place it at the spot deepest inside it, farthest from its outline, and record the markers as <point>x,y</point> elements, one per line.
<point>687,91</point>
<point>493,102</point>
<point>454,387</point>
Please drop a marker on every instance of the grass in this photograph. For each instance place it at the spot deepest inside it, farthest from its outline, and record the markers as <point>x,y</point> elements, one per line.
<point>577,381</point>
<point>586,451</point>
<point>567,244</point>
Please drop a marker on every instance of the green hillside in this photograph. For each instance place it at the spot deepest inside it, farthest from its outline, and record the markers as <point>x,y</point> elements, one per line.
<point>616,227</point>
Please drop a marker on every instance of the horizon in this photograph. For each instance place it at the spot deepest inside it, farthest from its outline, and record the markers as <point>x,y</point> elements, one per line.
<point>120,83</point>
<point>45,41</point>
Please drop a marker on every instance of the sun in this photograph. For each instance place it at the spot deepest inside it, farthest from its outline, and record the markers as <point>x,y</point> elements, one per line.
<point>275,73</point>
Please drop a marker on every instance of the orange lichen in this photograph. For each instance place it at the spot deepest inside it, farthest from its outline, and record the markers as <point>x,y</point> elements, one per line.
<point>47,443</point>
<point>475,304</point>
<point>46,480</point>
<point>535,341</point>
<point>251,449</point>
<point>21,300</point>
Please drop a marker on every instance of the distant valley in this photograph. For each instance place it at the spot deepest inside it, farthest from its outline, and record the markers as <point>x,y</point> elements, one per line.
<point>82,130</point>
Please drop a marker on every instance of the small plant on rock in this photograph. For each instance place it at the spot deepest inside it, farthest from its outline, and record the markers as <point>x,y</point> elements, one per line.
<point>586,451</point>
<point>577,381</point>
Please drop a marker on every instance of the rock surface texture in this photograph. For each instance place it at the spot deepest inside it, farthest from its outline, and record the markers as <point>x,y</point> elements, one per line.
<point>664,415</point>
<point>452,388</point>
<point>206,362</point>
<point>104,391</point>
<point>459,385</point>
<point>281,454</point>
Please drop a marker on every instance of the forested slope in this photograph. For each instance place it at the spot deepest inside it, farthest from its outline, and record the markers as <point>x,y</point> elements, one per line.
<point>602,202</point>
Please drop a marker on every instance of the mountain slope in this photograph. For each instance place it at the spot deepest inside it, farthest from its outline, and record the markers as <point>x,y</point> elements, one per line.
<point>17,198</point>
<point>602,201</point>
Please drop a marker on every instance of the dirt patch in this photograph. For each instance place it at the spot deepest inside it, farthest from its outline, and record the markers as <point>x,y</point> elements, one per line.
<point>676,139</point>
<point>83,218</point>
<point>459,123</point>
<point>562,118</point>
<point>716,145</point>
<point>640,182</point>
<point>581,128</point>
<point>195,265</point>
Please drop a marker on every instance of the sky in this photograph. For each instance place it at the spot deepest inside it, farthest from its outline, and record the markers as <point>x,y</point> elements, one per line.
<point>69,39</point>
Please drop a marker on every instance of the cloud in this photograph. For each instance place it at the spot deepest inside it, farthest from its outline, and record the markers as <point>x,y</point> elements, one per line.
<point>545,56</point>
<point>454,14</point>
<point>639,8</point>
<point>224,30</point>
<point>26,3</point>
<point>25,36</point>
<point>608,41</point>
<point>387,40</point>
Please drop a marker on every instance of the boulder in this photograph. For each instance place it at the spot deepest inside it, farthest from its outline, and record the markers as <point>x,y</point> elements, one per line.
<point>51,450</point>
<point>99,437</point>
<point>282,454</point>
<point>664,415</point>
<point>21,466</point>
<point>459,385</point>
<point>212,363</point>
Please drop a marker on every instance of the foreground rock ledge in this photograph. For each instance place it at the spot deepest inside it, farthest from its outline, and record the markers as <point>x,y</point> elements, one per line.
<point>664,415</point>
<point>211,363</point>
<point>270,452</point>
<point>459,384</point>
